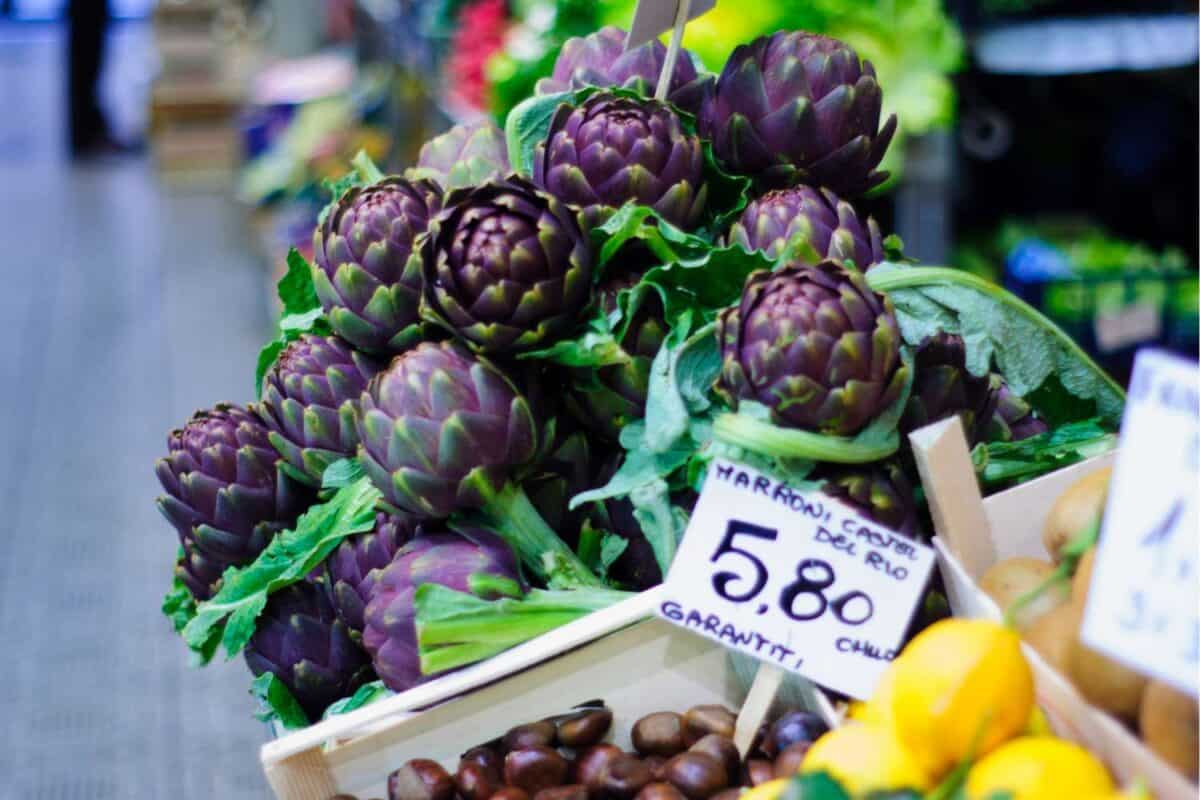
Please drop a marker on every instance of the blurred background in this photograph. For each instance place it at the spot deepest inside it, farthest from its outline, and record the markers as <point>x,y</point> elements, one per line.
<point>158,160</point>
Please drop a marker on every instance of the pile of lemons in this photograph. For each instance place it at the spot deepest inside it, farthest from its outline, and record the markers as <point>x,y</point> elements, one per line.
<point>955,710</point>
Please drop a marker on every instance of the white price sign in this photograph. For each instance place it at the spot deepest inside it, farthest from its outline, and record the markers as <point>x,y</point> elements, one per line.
<point>652,17</point>
<point>795,579</point>
<point>1144,605</point>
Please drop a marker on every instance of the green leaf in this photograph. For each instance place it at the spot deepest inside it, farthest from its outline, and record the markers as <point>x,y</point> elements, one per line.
<point>527,126</point>
<point>641,467</point>
<point>456,628</point>
<point>367,694</point>
<point>301,314</point>
<point>289,557</point>
<point>276,702</point>
<point>178,605</point>
<point>341,473</point>
<point>1003,463</point>
<point>728,195</point>
<point>662,522</point>
<point>997,327</point>
<point>611,548</point>
<point>296,290</point>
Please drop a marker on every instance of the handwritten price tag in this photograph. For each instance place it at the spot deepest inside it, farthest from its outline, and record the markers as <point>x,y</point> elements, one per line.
<point>795,579</point>
<point>1144,605</point>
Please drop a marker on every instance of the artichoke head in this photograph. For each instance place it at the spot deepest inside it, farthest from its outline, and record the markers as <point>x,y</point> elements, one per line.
<point>796,107</point>
<point>224,494</point>
<point>814,223</point>
<point>600,59</point>
<point>448,559</point>
<point>442,429</point>
<point>468,154</point>
<point>367,274</point>
<point>308,401</point>
<point>815,345</point>
<point>301,641</point>
<point>612,150</point>
<point>507,267</point>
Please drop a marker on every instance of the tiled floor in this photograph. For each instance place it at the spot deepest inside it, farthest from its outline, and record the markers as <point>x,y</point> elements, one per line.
<point>125,307</point>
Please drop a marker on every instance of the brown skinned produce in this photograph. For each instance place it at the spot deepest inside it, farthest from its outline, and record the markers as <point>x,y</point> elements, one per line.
<point>566,758</point>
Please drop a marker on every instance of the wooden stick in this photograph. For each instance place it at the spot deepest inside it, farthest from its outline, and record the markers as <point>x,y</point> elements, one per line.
<point>758,704</point>
<point>668,70</point>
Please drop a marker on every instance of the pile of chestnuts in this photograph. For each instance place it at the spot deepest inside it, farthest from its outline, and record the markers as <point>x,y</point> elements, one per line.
<point>688,756</point>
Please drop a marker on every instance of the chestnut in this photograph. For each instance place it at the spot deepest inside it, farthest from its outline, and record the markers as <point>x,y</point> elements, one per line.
<point>535,768</point>
<point>732,793</point>
<point>656,764</point>
<point>660,734</point>
<point>532,734</point>
<point>590,763</point>
<point>572,791</point>
<point>420,779</point>
<point>699,721</point>
<point>724,751</point>
<point>485,757</point>
<point>697,775</point>
<point>659,790</point>
<point>584,729</point>
<point>510,793</point>
<point>621,778</point>
<point>476,782</point>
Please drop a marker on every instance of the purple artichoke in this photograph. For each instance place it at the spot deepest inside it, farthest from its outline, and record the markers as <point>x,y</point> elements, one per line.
<point>1014,419</point>
<point>448,559</point>
<point>301,641</point>
<point>799,108</point>
<point>308,401</point>
<point>507,266</point>
<point>443,430</point>
<point>466,155</point>
<point>354,566</point>
<point>942,387</point>
<point>225,495</point>
<point>613,150</point>
<point>814,223</point>
<point>367,275</point>
<point>599,59</point>
<point>607,398</point>
<point>881,492</point>
<point>815,345</point>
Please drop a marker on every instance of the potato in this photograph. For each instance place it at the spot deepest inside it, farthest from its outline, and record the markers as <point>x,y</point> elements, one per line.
<point>1051,635</point>
<point>1010,579</point>
<point>1170,725</point>
<point>1105,683</point>
<point>1076,508</point>
<point>1083,577</point>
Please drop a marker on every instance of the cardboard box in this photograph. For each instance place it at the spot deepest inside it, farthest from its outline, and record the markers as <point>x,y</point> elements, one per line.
<point>974,533</point>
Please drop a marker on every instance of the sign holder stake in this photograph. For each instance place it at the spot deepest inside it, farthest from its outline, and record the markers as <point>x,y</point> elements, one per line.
<point>758,704</point>
<point>682,12</point>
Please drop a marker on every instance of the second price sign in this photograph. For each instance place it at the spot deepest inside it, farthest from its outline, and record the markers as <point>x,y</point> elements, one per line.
<point>795,579</point>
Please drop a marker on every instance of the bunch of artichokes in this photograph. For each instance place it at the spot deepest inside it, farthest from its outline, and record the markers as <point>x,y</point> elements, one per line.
<point>480,342</point>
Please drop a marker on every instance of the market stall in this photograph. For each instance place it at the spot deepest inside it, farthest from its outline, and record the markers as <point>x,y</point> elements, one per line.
<point>600,456</point>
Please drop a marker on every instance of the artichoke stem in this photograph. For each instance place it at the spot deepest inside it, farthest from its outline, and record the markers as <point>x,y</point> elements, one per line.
<point>771,440</point>
<point>519,524</point>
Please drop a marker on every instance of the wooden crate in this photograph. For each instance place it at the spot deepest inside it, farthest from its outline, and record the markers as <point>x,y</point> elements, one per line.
<point>623,655</point>
<point>974,533</point>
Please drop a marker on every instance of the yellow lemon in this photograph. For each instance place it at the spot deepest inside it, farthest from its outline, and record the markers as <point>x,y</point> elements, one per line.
<point>865,757</point>
<point>1039,768</point>
<point>879,708</point>
<point>960,689</point>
